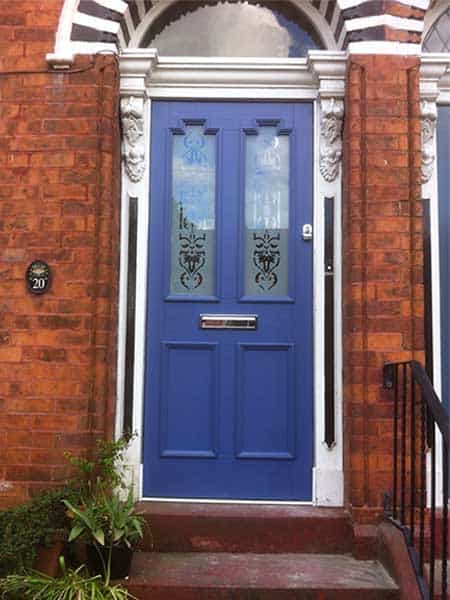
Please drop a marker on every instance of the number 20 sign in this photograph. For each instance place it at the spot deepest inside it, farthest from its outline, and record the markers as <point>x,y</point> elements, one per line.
<point>38,277</point>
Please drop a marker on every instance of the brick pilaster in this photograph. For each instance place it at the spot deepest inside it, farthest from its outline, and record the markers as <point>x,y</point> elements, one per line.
<point>382,256</point>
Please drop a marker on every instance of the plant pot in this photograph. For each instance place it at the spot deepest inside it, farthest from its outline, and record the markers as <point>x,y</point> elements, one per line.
<point>47,558</point>
<point>120,560</point>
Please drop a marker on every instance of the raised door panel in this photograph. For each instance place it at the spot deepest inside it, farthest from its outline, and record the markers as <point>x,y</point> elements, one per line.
<point>265,409</point>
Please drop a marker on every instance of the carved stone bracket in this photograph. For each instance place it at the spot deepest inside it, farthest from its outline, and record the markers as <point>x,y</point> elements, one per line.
<point>428,115</point>
<point>133,147</point>
<point>331,118</point>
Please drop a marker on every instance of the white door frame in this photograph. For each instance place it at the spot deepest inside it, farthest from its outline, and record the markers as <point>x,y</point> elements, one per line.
<point>434,91</point>
<point>319,78</point>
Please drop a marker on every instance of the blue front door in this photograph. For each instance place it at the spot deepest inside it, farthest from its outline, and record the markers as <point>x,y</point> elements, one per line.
<point>443,142</point>
<point>228,400</point>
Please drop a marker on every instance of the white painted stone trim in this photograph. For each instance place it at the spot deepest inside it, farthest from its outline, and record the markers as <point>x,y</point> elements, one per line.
<point>434,90</point>
<point>342,37</point>
<point>133,138</point>
<point>399,23</point>
<point>141,9</point>
<point>435,77</point>
<point>335,19</point>
<point>331,120</point>
<point>117,5</point>
<point>134,86</point>
<point>428,117</point>
<point>62,42</point>
<point>383,47</point>
<point>329,463</point>
<point>321,76</point>
<point>96,23</point>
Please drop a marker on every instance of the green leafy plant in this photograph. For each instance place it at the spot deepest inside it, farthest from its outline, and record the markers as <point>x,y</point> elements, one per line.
<point>106,519</point>
<point>100,517</point>
<point>36,523</point>
<point>104,470</point>
<point>72,585</point>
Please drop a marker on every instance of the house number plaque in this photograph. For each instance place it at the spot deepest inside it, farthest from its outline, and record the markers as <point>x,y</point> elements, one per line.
<point>38,277</point>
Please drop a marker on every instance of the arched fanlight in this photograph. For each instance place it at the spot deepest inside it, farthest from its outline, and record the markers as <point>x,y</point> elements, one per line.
<point>231,29</point>
<point>438,38</point>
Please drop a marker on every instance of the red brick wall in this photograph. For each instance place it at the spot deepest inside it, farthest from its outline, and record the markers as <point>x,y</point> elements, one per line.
<point>383,292</point>
<point>59,201</point>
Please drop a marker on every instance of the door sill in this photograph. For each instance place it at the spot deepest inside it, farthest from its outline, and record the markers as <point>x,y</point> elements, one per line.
<point>224,501</point>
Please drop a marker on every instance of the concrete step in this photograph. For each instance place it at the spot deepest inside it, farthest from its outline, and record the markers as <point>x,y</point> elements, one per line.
<point>202,527</point>
<point>227,576</point>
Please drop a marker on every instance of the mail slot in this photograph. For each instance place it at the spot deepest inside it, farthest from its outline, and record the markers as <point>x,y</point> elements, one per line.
<point>228,321</point>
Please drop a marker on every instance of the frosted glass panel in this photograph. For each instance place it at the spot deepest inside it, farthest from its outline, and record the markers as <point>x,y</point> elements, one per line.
<point>266,213</point>
<point>193,213</point>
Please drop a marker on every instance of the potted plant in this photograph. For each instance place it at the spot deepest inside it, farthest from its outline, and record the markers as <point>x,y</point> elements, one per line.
<point>105,521</point>
<point>33,534</point>
<point>110,528</point>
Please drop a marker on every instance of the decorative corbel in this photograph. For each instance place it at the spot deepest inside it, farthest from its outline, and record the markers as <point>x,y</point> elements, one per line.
<point>331,119</point>
<point>133,147</point>
<point>428,115</point>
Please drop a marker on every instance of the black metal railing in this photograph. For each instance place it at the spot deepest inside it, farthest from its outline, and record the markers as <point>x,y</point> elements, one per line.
<point>419,499</point>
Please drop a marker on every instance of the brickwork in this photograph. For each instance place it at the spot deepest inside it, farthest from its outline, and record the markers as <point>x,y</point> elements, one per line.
<point>59,201</point>
<point>383,290</point>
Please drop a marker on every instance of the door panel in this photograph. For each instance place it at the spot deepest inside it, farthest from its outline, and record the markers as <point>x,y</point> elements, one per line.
<point>181,364</point>
<point>265,411</point>
<point>228,412</point>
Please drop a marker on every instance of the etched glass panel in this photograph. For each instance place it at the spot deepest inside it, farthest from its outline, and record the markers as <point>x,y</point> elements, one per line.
<point>266,213</point>
<point>193,213</point>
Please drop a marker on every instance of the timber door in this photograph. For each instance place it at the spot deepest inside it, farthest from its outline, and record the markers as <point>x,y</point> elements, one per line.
<point>443,143</point>
<point>229,392</point>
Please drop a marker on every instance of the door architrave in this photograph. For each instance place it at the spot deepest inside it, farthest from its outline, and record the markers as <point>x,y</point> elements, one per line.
<point>319,78</point>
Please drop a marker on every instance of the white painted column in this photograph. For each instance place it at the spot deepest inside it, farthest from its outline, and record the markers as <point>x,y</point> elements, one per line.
<point>330,70</point>
<point>135,119</point>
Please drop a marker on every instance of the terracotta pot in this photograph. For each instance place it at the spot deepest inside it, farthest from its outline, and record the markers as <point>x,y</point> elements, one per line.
<point>47,558</point>
<point>120,560</point>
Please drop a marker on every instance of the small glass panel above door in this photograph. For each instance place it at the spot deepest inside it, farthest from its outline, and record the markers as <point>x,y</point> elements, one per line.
<point>193,212</point>
<point>266,213</point>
